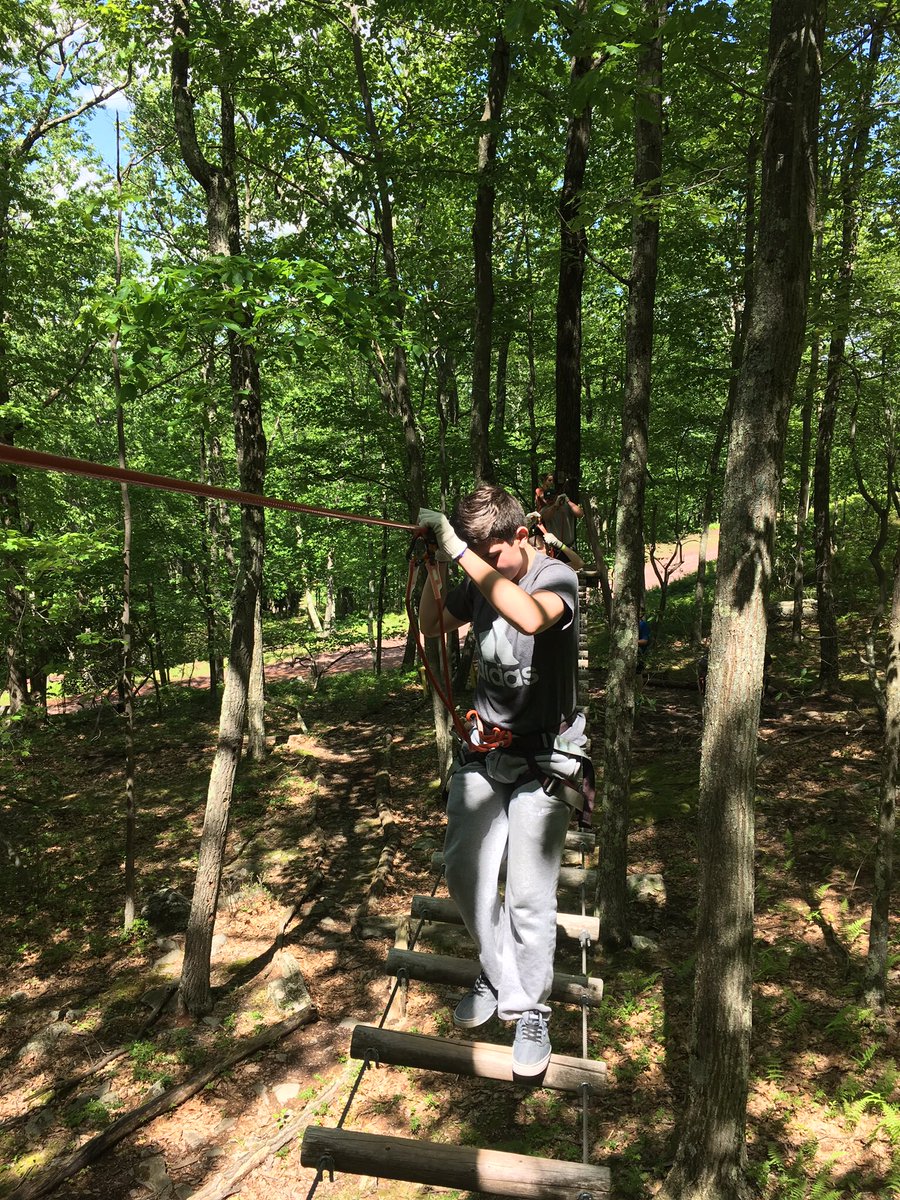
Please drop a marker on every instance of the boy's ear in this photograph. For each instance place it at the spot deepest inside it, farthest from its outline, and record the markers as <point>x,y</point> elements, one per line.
<point>521,534</point>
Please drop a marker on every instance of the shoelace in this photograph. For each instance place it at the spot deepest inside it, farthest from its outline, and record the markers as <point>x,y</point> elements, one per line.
<point>481,987</point>
<point>532,1028</point>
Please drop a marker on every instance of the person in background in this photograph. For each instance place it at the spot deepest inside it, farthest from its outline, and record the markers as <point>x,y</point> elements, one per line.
<point>558,516</point>
<point>545,492</point>
<point>548,543</point>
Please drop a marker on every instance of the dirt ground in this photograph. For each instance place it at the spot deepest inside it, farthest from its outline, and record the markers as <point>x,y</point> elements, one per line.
<point>322,840</point>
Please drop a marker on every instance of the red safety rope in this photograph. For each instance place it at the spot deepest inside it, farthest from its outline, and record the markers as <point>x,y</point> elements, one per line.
<point>17,456</point>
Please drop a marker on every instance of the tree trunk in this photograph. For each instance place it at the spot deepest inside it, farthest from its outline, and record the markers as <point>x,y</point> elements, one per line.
<point>482,241</point>
<point>879,926</point>
<point>256,695</point>
<point>809,396</point>
<point>222,218</point>
<point>572,255</point>
<point>593,537</point>
<point>629,563</point>
<point>329,592</point>
<point>531,384</point>
<point>209,561</point>
<point>741,310</point>
<point>711,1155</point>
<point>126,679</point>
<point>156,636</point>
<point>447,411</point>
<point>382,587</point>
<point>853,164</point>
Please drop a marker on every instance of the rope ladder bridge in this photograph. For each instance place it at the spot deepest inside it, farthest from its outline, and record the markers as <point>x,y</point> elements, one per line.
<point>466,1168</point>
<point>436,919</point>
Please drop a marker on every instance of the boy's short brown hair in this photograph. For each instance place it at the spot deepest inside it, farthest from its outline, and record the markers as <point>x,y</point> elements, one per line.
<point>488,514</point>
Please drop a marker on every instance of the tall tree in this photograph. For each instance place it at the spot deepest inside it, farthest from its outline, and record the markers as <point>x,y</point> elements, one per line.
<point>853,163</point>
<point>482,241</point>
<point>219,184</point>
<point>573,247</point>
<point>711,1155</point>
<point>629,568</point>
<point>740,308</point>
<point>879,924</point>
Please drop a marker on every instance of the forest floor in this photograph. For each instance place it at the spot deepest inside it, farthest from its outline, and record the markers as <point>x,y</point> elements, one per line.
<point>306,843</point>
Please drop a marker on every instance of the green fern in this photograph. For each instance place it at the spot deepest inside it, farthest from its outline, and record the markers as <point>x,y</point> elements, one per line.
<point>796,1012</point>
<point>855,928</point>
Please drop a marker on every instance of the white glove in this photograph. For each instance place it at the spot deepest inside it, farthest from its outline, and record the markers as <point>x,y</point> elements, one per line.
<point>532,518</point>
<point>550,539</point>
<point>447,540</point>
<point>562,498</point>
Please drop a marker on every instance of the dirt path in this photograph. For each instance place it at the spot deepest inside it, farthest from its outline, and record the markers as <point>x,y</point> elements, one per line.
<point>351,658</point>
<point>690,559</point>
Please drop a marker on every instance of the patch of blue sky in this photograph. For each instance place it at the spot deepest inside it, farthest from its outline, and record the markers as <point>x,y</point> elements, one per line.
<point>101,128</point>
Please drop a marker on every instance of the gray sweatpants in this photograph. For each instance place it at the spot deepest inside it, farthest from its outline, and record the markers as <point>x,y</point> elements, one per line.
<point>489,818</point>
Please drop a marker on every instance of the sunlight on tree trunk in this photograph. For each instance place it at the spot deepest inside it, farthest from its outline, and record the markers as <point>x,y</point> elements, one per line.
<point>256,695</point>
<point>711,1156</point>
<point>222,217</point>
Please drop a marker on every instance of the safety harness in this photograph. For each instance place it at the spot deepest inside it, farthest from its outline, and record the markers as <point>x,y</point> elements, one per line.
<point>494,738</point>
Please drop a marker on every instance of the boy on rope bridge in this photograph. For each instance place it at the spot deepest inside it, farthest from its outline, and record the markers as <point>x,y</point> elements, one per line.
<point>513,795</point>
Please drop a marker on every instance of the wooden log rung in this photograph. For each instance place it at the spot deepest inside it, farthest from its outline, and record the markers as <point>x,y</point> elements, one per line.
<point>482,1060</point>
<point>580,839</point>
<point>465,1168</point>
<point>442,908</point>
<point>569,877</point>
<point>461,973</point>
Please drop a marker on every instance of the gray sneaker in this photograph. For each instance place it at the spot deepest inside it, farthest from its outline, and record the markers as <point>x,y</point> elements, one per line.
<point>531,1049</point>
<point>477,1006</point>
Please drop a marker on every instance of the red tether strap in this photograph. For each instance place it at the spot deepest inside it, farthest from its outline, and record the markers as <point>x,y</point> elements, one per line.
<point>17,456</point>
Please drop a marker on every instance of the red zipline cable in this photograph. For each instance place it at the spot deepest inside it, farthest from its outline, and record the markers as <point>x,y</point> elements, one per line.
<point>18,457</point>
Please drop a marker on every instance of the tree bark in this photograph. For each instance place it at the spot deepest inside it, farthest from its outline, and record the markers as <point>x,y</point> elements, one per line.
<point>711,1155</point>
<point>482,242</point>
<point>222,218</point>
<point>879,925</point>
<point>629,562</point>
<point>256,694</point>
<point>809,395</point>
<point>127,675</point>
<point>572,255</point>
<point>10,511</point>
<point>741,304</point>
<point>531,384</point>
<point>853,164</point>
